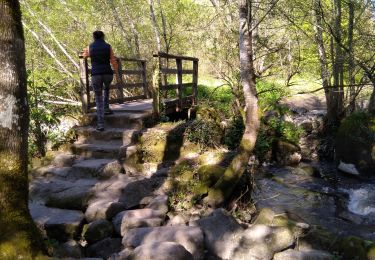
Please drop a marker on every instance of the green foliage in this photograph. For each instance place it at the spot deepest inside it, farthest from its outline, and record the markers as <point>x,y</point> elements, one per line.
<point>234,132</point>
<point>270,94</point>
<point>358,128</point>
<point>205,133</point>
<point>274,128</point>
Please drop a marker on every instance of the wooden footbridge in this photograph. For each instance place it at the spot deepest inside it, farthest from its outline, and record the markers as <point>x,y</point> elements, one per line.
<point>172,87</point>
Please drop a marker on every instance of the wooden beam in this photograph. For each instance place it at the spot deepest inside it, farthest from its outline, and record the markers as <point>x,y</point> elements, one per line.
<point>195,83</point>
<point>175,71</point>
<point>170,56</point>
<point>175,86</point>
<point>132,59</point>
<point>179,82</point>
<point>125,99</point>
<point>144,79</point>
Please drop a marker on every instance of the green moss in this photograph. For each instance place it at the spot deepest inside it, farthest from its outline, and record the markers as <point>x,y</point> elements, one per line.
<point>352,248</point>
<point>371,252</point>
<point>210,174</point>
<point>355,141</point>
<point>265,217</point>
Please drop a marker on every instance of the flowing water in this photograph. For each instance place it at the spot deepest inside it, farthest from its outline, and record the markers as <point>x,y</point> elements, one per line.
<point>340,203</point>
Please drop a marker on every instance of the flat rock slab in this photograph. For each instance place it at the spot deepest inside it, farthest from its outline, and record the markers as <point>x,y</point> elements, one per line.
<point>57,193</point>
<point>161,251</point>
<point>134,192</point>
<point>189,237</point>
<point>103,209</point>
<point>64,160</point>
<point>92,167</point>
<point>59,224</point>
<point>291,254</point>
<point>222,233</point>
<point>130,219</point>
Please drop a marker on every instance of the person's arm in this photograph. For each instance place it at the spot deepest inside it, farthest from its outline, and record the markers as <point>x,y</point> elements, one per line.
<point>114,63</point>
<point>86,52</point>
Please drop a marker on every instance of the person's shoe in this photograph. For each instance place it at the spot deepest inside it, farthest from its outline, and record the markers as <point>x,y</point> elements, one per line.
<point>100,129</point>
<point>108,112</point>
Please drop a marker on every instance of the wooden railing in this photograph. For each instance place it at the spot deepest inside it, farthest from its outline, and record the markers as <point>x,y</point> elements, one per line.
<point>126,84</point>
<point>172,96</point>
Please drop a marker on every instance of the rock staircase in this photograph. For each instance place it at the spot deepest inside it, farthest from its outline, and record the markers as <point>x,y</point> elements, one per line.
<point>87,206</point>
<point>84,200</point>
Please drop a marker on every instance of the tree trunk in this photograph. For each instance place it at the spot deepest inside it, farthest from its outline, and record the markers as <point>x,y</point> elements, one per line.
<point>133,29</point>
<point>120,24</point>
<point>19,237</point>
<point>351,67</point>
<point>155,24</point>
<point>338,73</point>
<point>222,190</point>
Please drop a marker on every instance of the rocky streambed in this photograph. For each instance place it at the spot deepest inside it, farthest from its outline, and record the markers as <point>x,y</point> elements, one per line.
<point>319,195</point>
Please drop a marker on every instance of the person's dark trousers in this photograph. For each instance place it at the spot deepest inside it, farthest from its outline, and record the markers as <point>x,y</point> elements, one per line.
<point>98,82</point>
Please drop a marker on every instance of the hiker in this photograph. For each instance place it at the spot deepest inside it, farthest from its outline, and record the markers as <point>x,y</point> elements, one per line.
<point>102,57</point>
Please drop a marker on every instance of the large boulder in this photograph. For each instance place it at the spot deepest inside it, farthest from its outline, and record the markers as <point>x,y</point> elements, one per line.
<point>133,193</point>
<point>291,254</point>
<point>287,153</point>
<point>68,249</point>
<point>97,230</point>
<point>161,251</point>
<point>222,233</point>
<point>355,142</point>
<point>189,237</point>
<point>103,209</point>
<point>58,224</point>
<point>105,248</point>
<point>130,219</point>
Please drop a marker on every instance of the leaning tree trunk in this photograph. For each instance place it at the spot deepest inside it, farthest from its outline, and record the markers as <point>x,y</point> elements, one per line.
<point>222,190</point>
<point>19,237</point>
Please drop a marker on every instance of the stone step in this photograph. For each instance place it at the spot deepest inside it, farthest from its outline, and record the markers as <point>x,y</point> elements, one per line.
<point>191,238</point>
<point>97,149</point>
<point>91,167</point>
<point>88,134</point>
<point>59,224</point>
<point>120,120</point>
<point>58,193</point>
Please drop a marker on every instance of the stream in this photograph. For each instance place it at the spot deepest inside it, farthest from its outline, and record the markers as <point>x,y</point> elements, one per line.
<point>318,194</point>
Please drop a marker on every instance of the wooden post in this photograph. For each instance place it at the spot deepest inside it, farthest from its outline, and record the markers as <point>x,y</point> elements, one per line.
<point>144,79</point>
<point>120,84</point>
<point>156,94</point>
<point>85,84</point>
<point>195,83</point>
<point>179,83</point>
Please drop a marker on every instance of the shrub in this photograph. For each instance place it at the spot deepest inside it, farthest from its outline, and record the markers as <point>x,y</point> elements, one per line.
<point>205,133</point>
<point>234,132</point>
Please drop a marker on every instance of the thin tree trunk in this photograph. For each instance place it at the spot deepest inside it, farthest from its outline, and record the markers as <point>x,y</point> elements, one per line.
<point>19,238</point>
<point>49,31</point>
<point>155,24</point>
<point>352,92</point>
<point>121,25</point>
<point>322,56</point>
<point>133,29</point>
<point>338,75</point>
<point>50,53</point>
<point>226,184</point>
<point>164,25</point>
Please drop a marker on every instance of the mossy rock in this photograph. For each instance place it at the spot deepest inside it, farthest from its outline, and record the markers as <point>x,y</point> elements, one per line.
<point>210,174</point>
<point>371,252</point>
<point>265,217</point>
<point>355,142</point>
<point>211,157</point>
<point>352,248</point>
